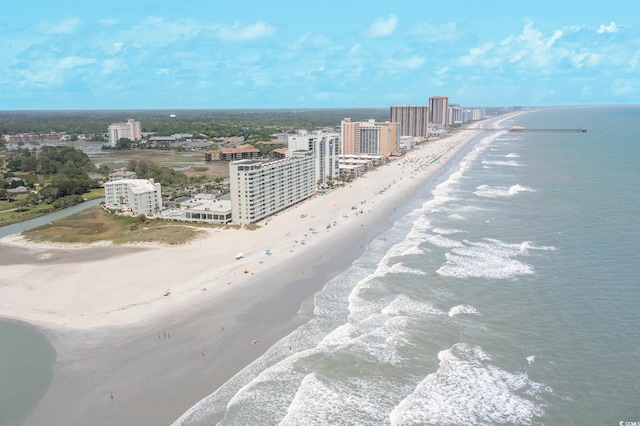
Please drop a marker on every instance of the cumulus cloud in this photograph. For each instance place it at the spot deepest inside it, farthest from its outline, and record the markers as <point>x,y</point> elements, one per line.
<point>479,56</point>
<point>606,29</point>
<point>382,27</point>
<point>240,32</point>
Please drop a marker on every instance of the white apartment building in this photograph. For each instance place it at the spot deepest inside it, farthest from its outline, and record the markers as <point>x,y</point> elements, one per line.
<point>474,114</point>
<point>455,114</point>
<point>325,149</point>
<point>260,189</point>
<point>132,130</point>
<point>141,196</point>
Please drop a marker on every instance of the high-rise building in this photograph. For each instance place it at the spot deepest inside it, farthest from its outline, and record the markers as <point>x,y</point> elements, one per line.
<point>413,120</point>
<point>368,137</point>
<point>132,130</point>
<point>260,189</point>
<point>325,149</point>
<point>438,108</point>
<point>455,114</point>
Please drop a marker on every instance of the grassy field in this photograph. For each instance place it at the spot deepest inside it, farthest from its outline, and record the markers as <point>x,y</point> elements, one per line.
<point>94,224</point>
<point>189,163</point>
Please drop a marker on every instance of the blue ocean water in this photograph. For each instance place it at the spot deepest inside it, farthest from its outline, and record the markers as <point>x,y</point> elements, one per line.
<point>507,294</point>
<point>26,359</point>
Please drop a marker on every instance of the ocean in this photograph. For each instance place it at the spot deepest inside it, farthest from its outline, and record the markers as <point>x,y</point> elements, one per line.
<point>506,293</point>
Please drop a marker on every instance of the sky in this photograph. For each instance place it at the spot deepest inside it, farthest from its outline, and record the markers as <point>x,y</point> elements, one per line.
<point>199,54</point>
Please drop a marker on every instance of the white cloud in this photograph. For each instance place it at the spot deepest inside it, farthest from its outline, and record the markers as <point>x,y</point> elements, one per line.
<point>533,47</point>
<point>479,56</point>
<point>437,33</point>
<point>627,87</point>
<point>442,71</point>
<point>239,32</point>
<point>606,29</point>
<point>382,27</point>
<point>66,26</point>
<point>71,62</point>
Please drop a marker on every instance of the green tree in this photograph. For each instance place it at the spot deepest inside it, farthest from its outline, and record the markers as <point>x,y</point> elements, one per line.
<point>123,143</point>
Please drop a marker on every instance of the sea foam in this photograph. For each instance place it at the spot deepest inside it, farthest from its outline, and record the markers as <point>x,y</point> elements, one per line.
<point>468,389</point>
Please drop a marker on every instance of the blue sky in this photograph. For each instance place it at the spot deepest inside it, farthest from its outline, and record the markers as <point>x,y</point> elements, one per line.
<point>151,54</point>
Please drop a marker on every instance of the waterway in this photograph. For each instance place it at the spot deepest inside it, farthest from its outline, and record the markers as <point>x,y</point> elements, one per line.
<point>43,220</point>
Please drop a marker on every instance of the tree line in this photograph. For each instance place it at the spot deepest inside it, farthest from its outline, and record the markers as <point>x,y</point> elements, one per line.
<point>257,124</point>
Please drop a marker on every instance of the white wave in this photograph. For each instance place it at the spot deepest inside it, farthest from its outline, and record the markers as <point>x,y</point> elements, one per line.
<point>467,389</point>
<point>500,191</point>
<point>531,359</point>
<point>463,309</point>
<point>489,259</point>
<point>440,241</point>
<point>512,155</point>
<point>509,163</point>
<point>403,305</point>
<point>528,245</point>
<point>445,231</point>
<point>456,216</point>
<point>399,268</point>
<point>332,401</point>
<point>413,250</point>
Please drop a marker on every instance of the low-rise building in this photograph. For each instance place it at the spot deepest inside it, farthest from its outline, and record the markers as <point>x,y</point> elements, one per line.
<point>207,208</point>
<point>242,152</point>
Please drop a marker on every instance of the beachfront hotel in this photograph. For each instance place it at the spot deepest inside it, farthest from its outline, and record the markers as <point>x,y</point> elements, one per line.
<point>369,137</point>
<point>438,110</point>
<point>325,150</point>
<point>260,189</point>
<point>412,119</point>
<point>455,114</point>
<point>132,130</point>
<point>141,196</point>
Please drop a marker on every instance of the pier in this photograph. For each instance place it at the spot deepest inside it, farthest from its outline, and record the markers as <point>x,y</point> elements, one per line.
<point>524,129</point>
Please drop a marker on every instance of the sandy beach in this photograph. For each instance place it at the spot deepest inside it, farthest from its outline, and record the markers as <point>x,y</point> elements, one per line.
<point>143,333</point>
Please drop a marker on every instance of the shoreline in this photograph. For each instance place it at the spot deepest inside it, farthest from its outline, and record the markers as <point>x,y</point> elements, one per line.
<point>110,341</point>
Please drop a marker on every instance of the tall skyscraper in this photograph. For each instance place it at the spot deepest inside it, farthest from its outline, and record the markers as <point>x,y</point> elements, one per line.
<point>438,108</point>
<point>413,120</point>
<point>368,137</point>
